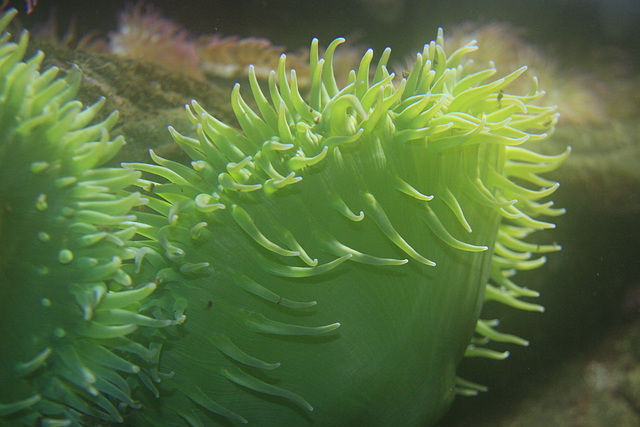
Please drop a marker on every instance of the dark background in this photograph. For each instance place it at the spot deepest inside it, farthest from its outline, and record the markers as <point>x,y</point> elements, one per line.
<point>572,26</point>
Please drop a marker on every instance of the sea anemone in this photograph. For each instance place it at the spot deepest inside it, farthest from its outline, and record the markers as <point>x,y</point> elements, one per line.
<point>67,301</point>
<point>334,254</point>
<point>325,264</point>
<point>231,56</point>
<point>145,35</point>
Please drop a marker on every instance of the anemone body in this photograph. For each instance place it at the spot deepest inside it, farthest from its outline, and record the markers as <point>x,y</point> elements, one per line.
<point>345,242</point>
<point>325,264</point>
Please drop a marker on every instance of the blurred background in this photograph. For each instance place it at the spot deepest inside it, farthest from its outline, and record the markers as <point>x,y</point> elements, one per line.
<point>403,25</point>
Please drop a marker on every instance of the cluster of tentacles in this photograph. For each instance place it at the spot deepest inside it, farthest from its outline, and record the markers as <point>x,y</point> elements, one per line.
<point>325,263</point>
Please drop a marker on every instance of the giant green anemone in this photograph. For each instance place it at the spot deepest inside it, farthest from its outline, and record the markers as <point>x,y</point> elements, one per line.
<point>324,264</point>
<point>67,301</point>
